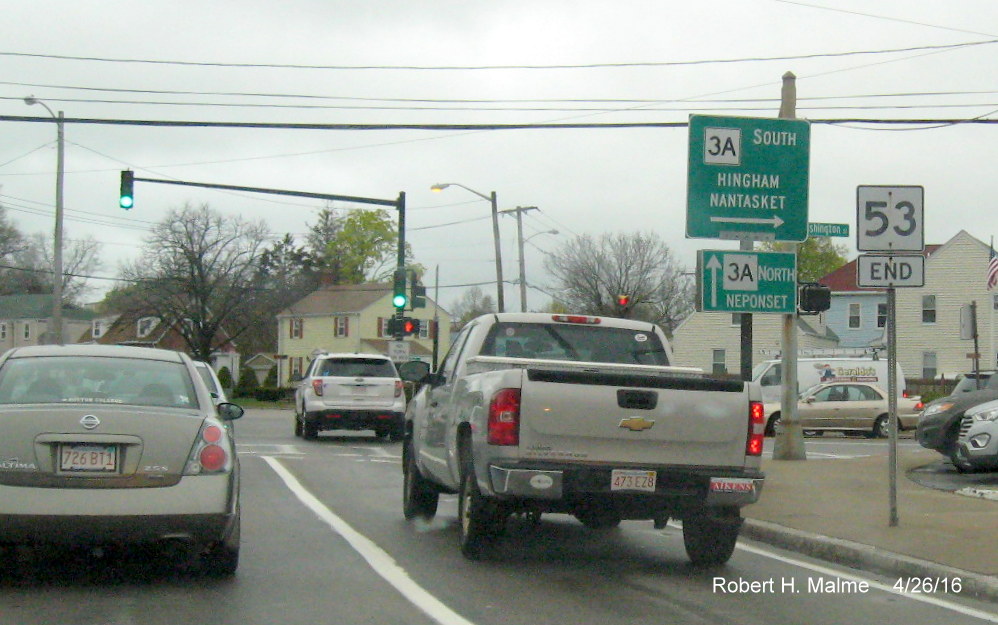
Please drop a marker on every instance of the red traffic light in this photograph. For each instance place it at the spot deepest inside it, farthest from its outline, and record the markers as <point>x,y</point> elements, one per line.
<point>623,300</point>
<point>410,326</point>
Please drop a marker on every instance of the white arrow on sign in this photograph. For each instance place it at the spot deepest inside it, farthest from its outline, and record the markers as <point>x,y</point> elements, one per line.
<point>775,221</point>
<point>713,264</point>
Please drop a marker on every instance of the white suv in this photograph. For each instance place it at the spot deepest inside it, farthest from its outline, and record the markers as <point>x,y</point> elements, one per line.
<point>350,392</point>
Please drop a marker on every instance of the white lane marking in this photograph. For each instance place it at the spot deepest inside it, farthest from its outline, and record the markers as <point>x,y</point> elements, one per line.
<point>382,563</point>
<point>272,449</point>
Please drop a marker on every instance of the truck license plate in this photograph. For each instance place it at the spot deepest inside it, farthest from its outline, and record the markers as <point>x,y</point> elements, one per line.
<point>630,479</point>
<point>88,458</point>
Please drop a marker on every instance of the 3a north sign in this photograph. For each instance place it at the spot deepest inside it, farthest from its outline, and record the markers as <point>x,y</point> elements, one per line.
<point>747,282</point>
<point>747,178</point>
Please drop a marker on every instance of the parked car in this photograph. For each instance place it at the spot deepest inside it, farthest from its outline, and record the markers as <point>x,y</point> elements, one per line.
<point>971,382</point>
<point>847,407</point>
<point>350,392</point>
<point>112,445</point>
<point>210,379</point>
<point>939,426</point>
<point>977,448</point>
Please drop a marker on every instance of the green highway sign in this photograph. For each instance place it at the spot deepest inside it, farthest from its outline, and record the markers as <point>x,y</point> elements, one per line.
<point>746,282</point>
<point>827,230</point>
<point>747,178</point>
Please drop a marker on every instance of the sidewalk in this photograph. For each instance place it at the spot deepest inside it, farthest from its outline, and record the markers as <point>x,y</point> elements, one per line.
<point>839,510</point>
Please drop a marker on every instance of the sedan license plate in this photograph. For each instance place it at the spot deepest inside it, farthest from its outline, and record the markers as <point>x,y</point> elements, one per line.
<point>630,479</point>
<point>88,458</point>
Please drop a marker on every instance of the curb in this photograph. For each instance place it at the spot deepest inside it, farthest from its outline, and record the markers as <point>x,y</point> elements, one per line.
<point>980,493</point>
<point>869,558</point>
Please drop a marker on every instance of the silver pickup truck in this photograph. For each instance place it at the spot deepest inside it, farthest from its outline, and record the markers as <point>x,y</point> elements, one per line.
<point>533,413</point>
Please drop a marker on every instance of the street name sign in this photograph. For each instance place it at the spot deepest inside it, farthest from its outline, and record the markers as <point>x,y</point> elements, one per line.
<point>827,230</point>
<point>747,282</point>
<point>747,178</point>
<point>890,270</point>
<point>890,218</point>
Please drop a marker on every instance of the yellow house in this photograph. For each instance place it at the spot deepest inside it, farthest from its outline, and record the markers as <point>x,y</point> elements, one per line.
<point>351,318</point>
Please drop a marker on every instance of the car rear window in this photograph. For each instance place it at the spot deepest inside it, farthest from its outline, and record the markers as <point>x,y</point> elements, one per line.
<point>584,343</point>
<point>356,368</point>
<point>71,379</point>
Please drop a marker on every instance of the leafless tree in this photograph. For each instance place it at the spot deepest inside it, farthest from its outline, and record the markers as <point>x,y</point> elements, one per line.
<point>80,259</point>
<point>198,270</point>
<point>472,304</point>
<point>632,275</point>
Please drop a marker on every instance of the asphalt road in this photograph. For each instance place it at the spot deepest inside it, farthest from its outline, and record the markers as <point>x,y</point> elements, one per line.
<point>324,541</point>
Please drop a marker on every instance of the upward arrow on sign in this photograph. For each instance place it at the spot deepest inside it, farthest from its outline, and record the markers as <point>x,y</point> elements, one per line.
<point>713,265</point>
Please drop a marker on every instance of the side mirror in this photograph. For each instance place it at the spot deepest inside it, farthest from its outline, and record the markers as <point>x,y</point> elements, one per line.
<point>414,371</point>
<point>229,411</point>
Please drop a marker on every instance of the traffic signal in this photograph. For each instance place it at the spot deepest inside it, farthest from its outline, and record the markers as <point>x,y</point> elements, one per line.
<point>126,198</point>
<point>417,293</point>
<point>623,300</point>
<point>398,328</point>
<point>814,298</point>
<point>410,326</point>
<point>399,297</point>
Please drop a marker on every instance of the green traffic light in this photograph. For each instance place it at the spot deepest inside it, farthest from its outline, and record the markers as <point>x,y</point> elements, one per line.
<point>399,301</point>
<point>126,201</point>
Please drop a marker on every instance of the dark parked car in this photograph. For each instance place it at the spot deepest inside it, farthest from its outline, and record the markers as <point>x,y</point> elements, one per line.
<point>939,426</point>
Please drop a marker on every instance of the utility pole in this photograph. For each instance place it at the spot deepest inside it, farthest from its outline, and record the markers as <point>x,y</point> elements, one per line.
<point>789,441</point>
<point>519,210</point>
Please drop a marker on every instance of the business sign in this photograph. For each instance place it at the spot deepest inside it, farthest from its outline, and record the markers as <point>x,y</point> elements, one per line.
<point>747,282</point>
<point>890,270</point>
<point>748,178</point>
<point>890,219</point>
<point>827,230</point>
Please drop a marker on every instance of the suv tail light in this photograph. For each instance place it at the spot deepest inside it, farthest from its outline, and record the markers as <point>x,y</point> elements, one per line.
<point>504,417</point>
<point>212,451</point>
<point>756,429</point>
<point>398,388</point>
<point>317,387</point>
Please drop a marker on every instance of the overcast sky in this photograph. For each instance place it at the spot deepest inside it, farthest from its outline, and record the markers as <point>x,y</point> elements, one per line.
<point>438,62</point>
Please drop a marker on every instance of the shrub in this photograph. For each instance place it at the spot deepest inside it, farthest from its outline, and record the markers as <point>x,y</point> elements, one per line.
<point>274,394</point>
<point>271,380</point>
<point>247,383</point>
<point>225,378</point>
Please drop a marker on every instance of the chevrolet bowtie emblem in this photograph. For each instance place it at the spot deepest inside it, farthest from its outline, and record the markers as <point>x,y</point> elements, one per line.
<point>636,424</point>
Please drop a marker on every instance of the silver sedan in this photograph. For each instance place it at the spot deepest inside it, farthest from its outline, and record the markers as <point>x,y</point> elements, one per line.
<point>112,445</point>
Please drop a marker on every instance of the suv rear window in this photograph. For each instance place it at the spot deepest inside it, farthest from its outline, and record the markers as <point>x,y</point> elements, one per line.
<point>551,341</point>
<point>355,368</point>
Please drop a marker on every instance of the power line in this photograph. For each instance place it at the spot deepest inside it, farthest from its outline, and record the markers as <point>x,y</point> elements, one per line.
<point>62,57</point>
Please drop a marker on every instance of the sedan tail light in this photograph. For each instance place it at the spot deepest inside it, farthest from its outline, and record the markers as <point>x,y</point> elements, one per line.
<point>756,429</point>
<point>317,387</point>
<point>504,417</point>
<point>212,451</point>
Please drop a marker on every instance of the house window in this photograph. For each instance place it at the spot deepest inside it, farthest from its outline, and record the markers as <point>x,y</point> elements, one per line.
<point>929,366</point>
<point>382,327</point>
<point>145,326</point>
<point>3,331</point>
<point>296,367</point>
<point>717,362</point>
<point>424,328</point>
<point>736,319</point>
<point>928,309</point>
<point>341,326</point>
<point>27,331</point>
<point>881,315</point>
<point>854,318</point>
<point>97,329</point>
<point>297,328</point>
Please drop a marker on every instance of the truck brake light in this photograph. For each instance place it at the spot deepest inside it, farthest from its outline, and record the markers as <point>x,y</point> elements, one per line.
<point>317,387</point>
<point>504,417</point>
<point>576,319</point>
<point>756,429</point>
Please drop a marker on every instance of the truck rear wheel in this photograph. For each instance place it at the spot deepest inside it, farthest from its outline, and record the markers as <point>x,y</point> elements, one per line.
<point>482,520</point>
<point>419,498</point>
<point>710,539</point>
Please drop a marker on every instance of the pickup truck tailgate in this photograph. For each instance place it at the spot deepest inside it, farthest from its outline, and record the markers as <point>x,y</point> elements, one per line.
<point>582,416</point>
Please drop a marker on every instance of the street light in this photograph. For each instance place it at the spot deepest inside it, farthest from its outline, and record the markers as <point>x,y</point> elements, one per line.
<point>523,269</point>
<point>57,252</point>
<point>491,198</point>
